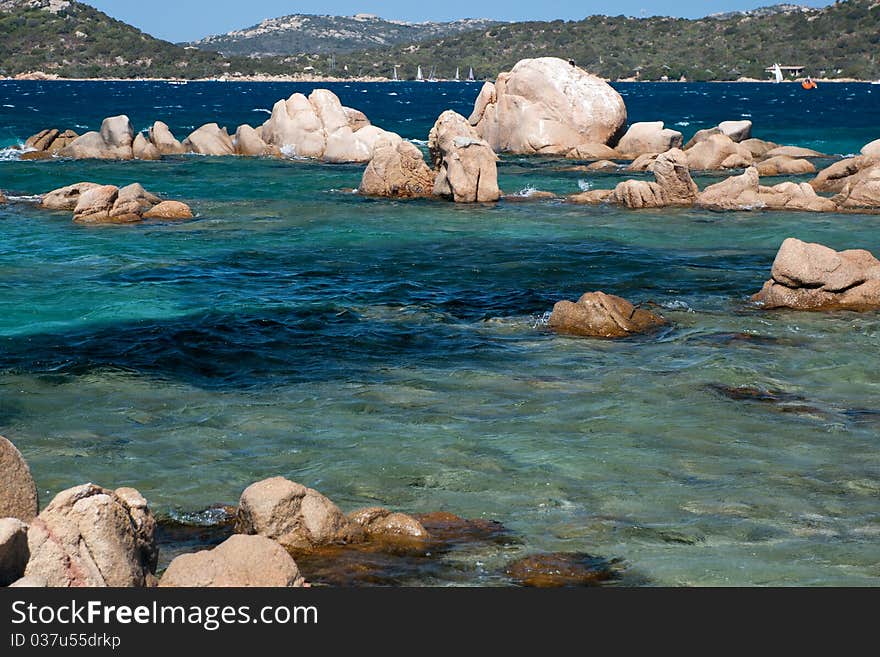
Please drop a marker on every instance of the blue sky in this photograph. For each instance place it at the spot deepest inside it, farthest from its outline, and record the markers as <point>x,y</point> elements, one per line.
<point>184,20</point>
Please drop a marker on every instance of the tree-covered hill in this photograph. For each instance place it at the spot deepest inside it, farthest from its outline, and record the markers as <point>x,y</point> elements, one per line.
<point>842,40</point>
<point>72,39</point>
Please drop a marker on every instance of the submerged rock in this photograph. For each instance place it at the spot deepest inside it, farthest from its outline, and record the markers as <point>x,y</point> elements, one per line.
<point>591,197</point>
<point>562,569</point>
<point>240,561</point>
<point>112,142</point>
<point>547,106</point>
<point>807,276</point>
<point>18,492</point>
<point>380,523</point>
<point>91,536</point>
<point>648,137</point>
<point>601,315</point>
<point>299,518</point>
<point>466,165</point>
<point>14,553</point>
<point>397,169</point>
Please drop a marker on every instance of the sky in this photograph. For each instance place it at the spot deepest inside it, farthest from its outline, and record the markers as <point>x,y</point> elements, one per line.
<point>188,20</point>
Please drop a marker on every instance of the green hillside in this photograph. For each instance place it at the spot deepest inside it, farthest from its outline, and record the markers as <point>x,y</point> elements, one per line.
<point>72,39</point>
<point>842,40</point>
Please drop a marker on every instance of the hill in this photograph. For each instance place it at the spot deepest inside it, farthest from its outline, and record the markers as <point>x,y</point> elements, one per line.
<point>303,33</point>
<point>841,40</point>
<point>72,39</point>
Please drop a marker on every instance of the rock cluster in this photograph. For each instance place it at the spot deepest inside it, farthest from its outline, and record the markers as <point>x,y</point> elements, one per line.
<point>744,192</point>
<point>397,170</point>
<point>601,315</point>
<point>808,276</point>
<point>317,126</point>
<point>548,106</point>
<point>92,203</point>
<point>648,137</point>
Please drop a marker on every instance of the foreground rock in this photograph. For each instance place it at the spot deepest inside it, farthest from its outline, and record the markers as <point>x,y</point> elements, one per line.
<point>18,493</point>
<point>547,106</point>
<point>398,170</point>
<point>648,137</point>
<point>466,165</point>
<point>744,192</point>
<point>673,187</point>
<point>299,518</point>
<point>112,142</point>
<point>91,536</point>
<point>240,561</point>
<point>320,127</point>
<point>601,315</point>
<point>807,276</point>
<point>14,551</point>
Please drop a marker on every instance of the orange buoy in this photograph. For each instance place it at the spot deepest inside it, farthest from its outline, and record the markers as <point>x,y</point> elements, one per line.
<point>809,84</point>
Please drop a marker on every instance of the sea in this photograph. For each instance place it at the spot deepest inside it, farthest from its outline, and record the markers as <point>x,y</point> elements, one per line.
<point>395,353</point>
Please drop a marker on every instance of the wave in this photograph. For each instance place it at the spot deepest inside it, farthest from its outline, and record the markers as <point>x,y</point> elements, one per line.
<point>9,154</point>
<point>526,192</point>
<point>585,185</point>
<point>419,142</point>
<point>262,109</point>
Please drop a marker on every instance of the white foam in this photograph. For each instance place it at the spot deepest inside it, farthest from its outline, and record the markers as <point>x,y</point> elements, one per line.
<point>262,109</point>
<point>585,185</point>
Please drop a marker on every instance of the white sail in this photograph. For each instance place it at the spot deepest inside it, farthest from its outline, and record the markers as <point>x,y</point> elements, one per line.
<point>457,78</point>
<point>471,75</point>
<point>419,75</point>
<point>777,73</point>
<point>395,74</point>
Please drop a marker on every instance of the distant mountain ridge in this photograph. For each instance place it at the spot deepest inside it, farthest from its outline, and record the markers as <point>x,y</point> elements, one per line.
<point>771,10</point>
<point>319,34</point>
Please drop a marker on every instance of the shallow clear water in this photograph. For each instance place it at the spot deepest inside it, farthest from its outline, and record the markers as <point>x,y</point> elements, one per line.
<point>393,352</point>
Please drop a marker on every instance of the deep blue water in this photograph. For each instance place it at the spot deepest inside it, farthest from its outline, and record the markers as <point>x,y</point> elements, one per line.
<point>393,353</point>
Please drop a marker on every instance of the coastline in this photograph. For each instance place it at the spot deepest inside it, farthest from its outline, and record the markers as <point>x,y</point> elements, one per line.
<point>42,77</point>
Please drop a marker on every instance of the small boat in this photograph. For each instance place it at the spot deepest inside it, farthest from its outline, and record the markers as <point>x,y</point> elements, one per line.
<point>809,83</point>
<point>419,76</point>
<point>777,73</point>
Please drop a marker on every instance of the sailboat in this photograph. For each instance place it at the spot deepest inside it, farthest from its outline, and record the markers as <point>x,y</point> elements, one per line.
<point>395,74</point>
<point>432,76</point>
<point>777,73</point>
<point>471,75</point>
<point>457,77</point>
<point>419,76</point>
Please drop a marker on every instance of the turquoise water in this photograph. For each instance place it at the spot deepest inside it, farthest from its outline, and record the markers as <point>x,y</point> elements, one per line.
<point>394,353</point>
